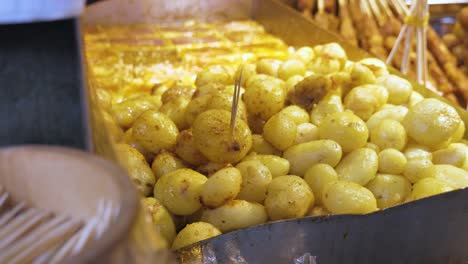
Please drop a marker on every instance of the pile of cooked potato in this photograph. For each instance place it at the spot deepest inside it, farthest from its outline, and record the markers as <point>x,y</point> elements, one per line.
<point>315,134</point>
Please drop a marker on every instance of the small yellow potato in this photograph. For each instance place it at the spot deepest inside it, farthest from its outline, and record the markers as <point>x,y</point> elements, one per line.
<point>290,68</point>
<point>276,165</point>
<point>137,167</point>
<point>342,197</point>
<point>261,146</point>
<point>389,134</point>
<point>306,132</point>
<point>224,101</point>
<point>365,100</point>
<point>463,147</point>
<point>346,129</point>
<point>431,122</point>
<point>194,233</point>
<point>378,67</point>
<point>155,131</point>
<point>415,98</point>
<point>212,136</point>
<point>222,186</point>
<point>330,104</point>
<point>303,156</point>
<point>296,114</point>
<point>288,197</point>
<point>310,91</point>
<point>179,191</point>
<point>372,146</point>
<point>389,190</point>
<point>255,180</point>
<point>333,50</point>
<point>248,70</point>
<point>164,163</point>
<point>450,156</point>
<point>459,133</point>
<point>396,113</point>
<point>324,66</point>
<point>291,82</point>
<point>175,110</point>
<point>127,111</point>
<point>428,187</point>
<point>417,169</point>
<point>341,82</point>
<point>211,168</point>
<point>318,176</point>
<point>392,161</point>
<point>161,218</point>
<point>457,178</point>
<point>257,78</point>
<point>280,131</point>
<point>235,214</point>
<point>178,90</point>
<point>359,166</point>
<point>416,151</point>
<point>399,89</point>
<point>187,150</point>
<point>196,106</point>
<point>214,74</point>
<point>361,75</point>
<point>318,211</point>
<point>265,98</point>
<point>268,66</point>
<point>305,54</point>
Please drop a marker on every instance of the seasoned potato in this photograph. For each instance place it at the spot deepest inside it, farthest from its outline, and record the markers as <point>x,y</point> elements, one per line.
<point>451,156</point>
<point>310,91</point>
<point>214,74</point>
<point>235,214</point>
<point>305,54</point>
<point>330,104</point>
<point>296,114</point>
<point>372,146</point>
<point>161,218</point>
<point>127,111</point>
<point>224,101</point>
<point>392,161</point>
<point>248,70</point>
<point>137,167</point>
<point>265,98</point>
<point>257,78</point>
<point>212,136</point>
<point>365,100</point>
<point>165,162</point>
<point>291,82</point>
<point>255,180</point>
<point>222,186</point>
<point>378,67</point>
<point>345,128</point>
<point>318,176</point>
<point>457,178</point>
<point>155,131</point>
<point>415,98</point>
<point>303,156</point>
<point>459,133</point>
<point>428,187</point>
<point>288,197</point>
<point>268,66</point>
<point>343,197</point>
<point>290,68</point>
<point>396,113</point>
<point>389,190</point>
<point>333,51</point>
<point>261,146</point>
<point>416,151</point>
<point>196,106</point>
<point>417,169</point>
<point>187,150</point>
<point>211,168</point>
<point>276,165</point>
<point>175,110</point>
<point>179,191</point>
<point>178,90</point>
<point>306,132</point>
<point>361,75</point>
<point>389,134</point>
<point>280,131</point>
<point>193,233</point>
<point>359,166</point>
<point>399,89</point>
<point>431,122</point>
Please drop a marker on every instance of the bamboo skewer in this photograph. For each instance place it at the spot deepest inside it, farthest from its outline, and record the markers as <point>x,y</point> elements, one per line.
<point>346,25</point>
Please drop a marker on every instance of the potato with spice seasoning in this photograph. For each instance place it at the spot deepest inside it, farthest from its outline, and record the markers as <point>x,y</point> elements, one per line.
<point>164,163</point>
<point>187,150</point>
<point>193,233</point>
<point>265,98</point>
<point>235,214</point>
<point>428,187</point>
<point>179,191</point>
<point>222,186</point>
<point>276,165</point>
<point>212,136</point>
<point>261,146</point>
<point>359,166</point>
<point>343,197</point>
<point>255,179</point>
<point>214,74</point>
<point>280,131</point>
<point>389,190</point>
<point>161,218</point>
<point>318,176</point>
